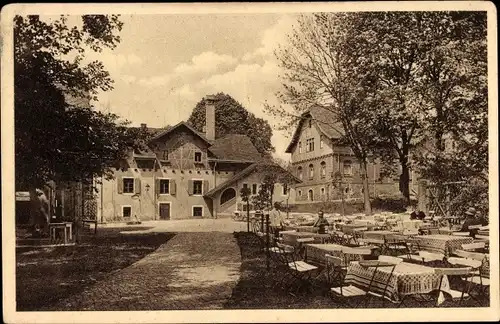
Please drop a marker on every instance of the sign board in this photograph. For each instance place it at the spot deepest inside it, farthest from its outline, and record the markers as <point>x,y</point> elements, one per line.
<point>22,196</point>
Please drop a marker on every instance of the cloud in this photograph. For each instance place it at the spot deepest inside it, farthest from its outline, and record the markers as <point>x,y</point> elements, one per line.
<point>272,38</point>
<point>205,62</point>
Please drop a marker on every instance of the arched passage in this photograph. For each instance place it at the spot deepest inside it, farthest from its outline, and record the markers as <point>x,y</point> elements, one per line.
<point>227,195</point>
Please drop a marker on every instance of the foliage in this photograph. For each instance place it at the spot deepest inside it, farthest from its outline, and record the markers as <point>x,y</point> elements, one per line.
<point>475,194</point>
<point>263,199</point>
<point>58,136</point>
<point>232,118</point>
<point>399,83</point>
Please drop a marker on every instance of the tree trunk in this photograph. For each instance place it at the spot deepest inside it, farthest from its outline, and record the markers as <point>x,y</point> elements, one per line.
<point>404,181</point>
<point>248,214</point>
<point>366,188</point>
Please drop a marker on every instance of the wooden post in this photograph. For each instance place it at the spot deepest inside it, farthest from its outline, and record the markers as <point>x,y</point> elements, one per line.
<point>262,223</point>
<point>248,217</point>
<point>267,242</point>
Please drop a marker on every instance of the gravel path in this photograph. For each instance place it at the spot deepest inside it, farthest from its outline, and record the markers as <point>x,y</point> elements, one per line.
<point>190,271</point>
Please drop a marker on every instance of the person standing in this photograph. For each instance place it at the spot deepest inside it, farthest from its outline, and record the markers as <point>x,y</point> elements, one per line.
<point>321,223</point>
<point>276,219</point>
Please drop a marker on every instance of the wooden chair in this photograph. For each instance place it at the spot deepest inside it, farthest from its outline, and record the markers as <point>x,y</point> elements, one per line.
<point>412,251</point>
<point>464,274</point>
<point>395,244</point>
<point>352,292</point>
<point>473,246</point>
<point>480,277</point>
<point>300,271</point>
<point>432,259</point>
<point>335,271</point>
<point>460,234</point>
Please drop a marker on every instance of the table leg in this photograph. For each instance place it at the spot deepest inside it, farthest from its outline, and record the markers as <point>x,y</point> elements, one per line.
<point>70,232</point>
<point>65,236</point>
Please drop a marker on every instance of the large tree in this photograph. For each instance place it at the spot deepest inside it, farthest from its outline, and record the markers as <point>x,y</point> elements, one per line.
<point>232,118</point>
<point>325,69</point>
<point>58,135</point>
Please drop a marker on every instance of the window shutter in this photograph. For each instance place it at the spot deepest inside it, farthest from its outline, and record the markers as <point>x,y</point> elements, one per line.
<point>137,185</point>
<point>157,186</point>
<point>119,183</point>
<point>205,186</point>
<point>172,186</point>
<point>190,187</point>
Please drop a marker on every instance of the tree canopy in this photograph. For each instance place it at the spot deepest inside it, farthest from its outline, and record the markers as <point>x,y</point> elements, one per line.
<point>401,84</point>
<point>58,134</point>
<point>232,118</point>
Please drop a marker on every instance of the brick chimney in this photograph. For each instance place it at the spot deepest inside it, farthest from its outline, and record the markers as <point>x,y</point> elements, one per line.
<point>210,117</point>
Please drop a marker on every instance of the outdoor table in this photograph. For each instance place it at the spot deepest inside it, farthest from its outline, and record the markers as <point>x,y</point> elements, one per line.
<point>291,238</point>
<point>440,243</point>
<point>310,229</point>
<point>407,279</point>
<point>315,253</point>
<point>377,235</point>
<point>347,228</point>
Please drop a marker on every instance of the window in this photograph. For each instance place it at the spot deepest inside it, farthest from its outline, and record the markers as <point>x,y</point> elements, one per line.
<point>197,157</point>
<point>311,171</point>
<point>347,167</point>
<point>254,189</point>
<point>126,211</point>
<point>321,142</point>
<point>197,211</point>
<point>310,145</point>
<point>300,147</point>
<point>197,187</point>
<point>299,172</point>
<point>310,123</point>
<point>323,169</point>
<point>128,185</point>
<point>322,191</point>
<point>164,186</point>
<point>165,155</point>
<point>310,195</point>
<point>245,186</point>
<point>285,189</point>
<point>299,193</point>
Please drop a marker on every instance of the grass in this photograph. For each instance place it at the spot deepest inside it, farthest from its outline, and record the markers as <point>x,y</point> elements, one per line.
<point>255,289</point>
<point>47,275</point>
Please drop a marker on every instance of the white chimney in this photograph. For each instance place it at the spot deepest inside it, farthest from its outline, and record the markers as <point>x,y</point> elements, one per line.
<point>210,117</point>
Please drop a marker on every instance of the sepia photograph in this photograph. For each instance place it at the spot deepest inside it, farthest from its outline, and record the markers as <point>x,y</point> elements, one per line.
<point>298,162</point>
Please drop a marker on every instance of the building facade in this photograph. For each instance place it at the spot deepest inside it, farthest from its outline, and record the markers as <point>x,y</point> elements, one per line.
<point>182,174</point>
<point>318,160</point>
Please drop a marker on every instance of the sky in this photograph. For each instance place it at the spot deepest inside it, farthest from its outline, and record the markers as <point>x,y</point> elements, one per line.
<point>165,64</point>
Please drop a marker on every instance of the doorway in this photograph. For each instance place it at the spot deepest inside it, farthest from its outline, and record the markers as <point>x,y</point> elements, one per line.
<point>164,209</point>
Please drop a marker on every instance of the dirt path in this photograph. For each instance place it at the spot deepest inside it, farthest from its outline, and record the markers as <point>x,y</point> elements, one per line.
<point>191,271</point>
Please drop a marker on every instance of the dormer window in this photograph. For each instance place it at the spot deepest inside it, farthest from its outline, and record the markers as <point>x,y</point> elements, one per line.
<point>310,145</point>
<point>197,157</point>
<point>165,155</point>
<point>300,147</point>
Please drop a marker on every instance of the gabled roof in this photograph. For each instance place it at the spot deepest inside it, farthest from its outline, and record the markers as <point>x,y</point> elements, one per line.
<point>235,147</point>
<point>247,171</point>
<point>181,124</point>
<point>325,120</point>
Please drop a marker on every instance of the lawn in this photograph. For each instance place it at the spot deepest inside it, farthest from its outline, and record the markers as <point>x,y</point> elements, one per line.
<point>256,287</point>
<point>47,275</point>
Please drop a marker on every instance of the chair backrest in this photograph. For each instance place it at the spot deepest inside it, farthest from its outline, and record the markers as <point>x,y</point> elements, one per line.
<point>482,237</point>
<point>453,271</point>
<point>429,256</point>
<point>475,226</point>
<point>460,233</point>
<point>285,247</point>
<point>465,262</point>
<point>470,255</point>
<point>305,240</point>
<point>356,251</point>
<point>333,260</point>
<point>390,259</point>
<point>473,246</point>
